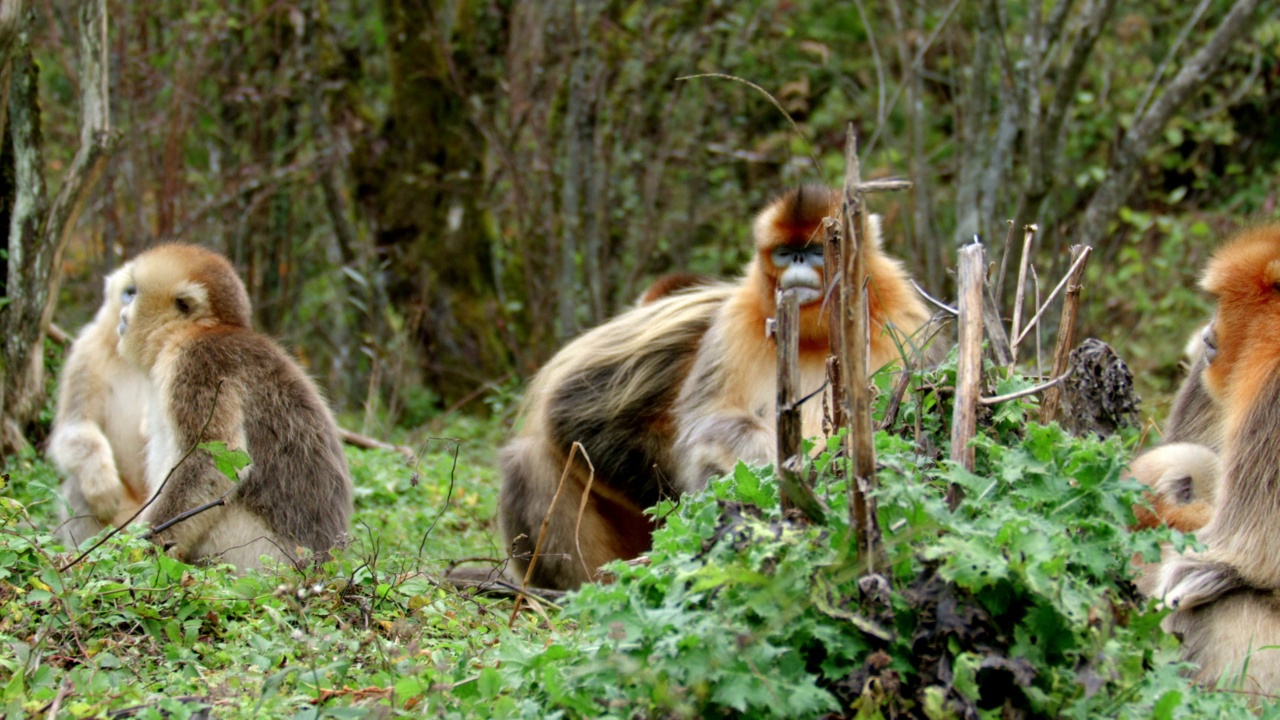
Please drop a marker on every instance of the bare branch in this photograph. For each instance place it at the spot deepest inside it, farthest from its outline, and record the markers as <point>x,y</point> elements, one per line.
<point>1114,190</point>
<point>1061,284</point>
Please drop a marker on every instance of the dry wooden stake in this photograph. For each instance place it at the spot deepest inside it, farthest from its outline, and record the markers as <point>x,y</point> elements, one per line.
<point>834,398</point>
<point>998,342</point>
<point>1029,234</point>
<point>1066,329</point>
<point>796,493</point>
<point>964,422</point>
<point>855,341</point>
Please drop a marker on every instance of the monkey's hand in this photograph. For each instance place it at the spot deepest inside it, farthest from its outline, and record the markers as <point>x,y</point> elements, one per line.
<point>81,451</point>
<point>1187,582</point>
<point>714,444</point>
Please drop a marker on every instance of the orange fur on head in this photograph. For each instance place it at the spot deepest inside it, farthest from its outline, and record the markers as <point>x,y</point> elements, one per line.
<point>796,219</point>
<point>1244,276</point>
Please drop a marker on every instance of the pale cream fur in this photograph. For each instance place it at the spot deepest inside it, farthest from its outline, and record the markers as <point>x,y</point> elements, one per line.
<point>98,438</point>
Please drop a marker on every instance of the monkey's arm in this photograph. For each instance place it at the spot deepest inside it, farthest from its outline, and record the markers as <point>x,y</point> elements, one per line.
<point>1196,417</point>
<point>713,444</point>
<point>1242,533</point>
<point>200,413</point>
<point>82,452</point>
<point>78,447</point>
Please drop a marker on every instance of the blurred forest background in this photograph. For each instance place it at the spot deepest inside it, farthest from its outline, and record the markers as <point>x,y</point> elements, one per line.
<point>427,197</point>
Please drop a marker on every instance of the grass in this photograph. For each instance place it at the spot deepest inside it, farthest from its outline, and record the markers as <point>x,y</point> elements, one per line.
<point>1020,598</point>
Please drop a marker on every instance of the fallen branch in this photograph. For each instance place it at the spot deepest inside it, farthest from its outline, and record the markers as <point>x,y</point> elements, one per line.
<point>351,437</point>
<point>1023,393</point>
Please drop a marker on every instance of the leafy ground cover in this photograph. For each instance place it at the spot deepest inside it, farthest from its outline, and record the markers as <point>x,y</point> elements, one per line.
<point>1017,604</point>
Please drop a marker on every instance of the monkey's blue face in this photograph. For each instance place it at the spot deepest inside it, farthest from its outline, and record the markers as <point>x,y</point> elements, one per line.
<point>800,267</point>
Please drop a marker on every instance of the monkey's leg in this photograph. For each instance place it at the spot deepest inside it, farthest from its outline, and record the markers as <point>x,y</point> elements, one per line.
<point>194,482</point>
<point>607,530</point>
<point>76,522</point>
<point>84,454</point>
<point>714,444</point>
<point>242,538</point>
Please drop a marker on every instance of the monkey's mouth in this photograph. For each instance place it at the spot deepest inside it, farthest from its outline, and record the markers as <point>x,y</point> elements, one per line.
<point>806,295</point>
<point>807,285</point>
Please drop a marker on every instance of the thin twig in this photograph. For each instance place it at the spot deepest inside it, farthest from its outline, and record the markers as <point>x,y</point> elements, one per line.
<point>881,107</point>
<point>1029,234</point>
<point>915,65</point>
<point>1063,283</point>
<point>1035,282</point>
<point>217,390</point>
<point>542,531</point>
<point>448,498</point>
<point>935,301</point>
<point>1004,264</point>
<point>184,515</point>
<point>63,691</point>
<point>582,510</point>
<point>1023,393</point>
<point>794,126</point>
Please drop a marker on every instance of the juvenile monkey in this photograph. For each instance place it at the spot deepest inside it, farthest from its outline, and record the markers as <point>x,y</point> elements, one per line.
<point>1184,471</point>
<point>186,325</point>
<point>1226,597</point>
<point>672,391</point>
<point>97,441</point>
<point>1183,478</point>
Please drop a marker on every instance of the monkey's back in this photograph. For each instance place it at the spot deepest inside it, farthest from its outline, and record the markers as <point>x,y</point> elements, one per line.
<point>298,481</point>
<point>613,388</point>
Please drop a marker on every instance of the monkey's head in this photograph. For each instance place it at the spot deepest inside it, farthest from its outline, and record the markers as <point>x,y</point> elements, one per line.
<point>174,292</point>
<point>1242,344</point>
<point>790,242</point>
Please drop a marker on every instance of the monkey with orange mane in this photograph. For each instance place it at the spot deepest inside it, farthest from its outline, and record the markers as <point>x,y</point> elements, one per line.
<point>1227,610</point>
<point>674,391</point>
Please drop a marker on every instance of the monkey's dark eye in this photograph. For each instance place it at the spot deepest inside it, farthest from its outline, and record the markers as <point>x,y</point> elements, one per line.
<point>794,254</point>
<point>183,306</point>
<point>129,294</point>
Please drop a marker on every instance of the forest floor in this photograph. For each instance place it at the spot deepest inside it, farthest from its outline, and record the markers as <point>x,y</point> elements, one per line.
<point>1019,599</point>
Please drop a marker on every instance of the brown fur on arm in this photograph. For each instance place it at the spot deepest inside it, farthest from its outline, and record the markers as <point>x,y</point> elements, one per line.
<point>199,412</point>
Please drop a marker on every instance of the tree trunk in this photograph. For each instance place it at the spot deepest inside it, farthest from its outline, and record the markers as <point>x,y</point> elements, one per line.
<point>38,232</point>
<point>419,180</point>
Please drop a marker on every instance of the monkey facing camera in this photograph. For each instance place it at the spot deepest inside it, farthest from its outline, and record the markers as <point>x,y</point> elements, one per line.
<point>676,390</point>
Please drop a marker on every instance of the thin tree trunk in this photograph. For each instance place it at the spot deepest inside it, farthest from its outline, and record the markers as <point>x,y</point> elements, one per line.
<point>38,232</point>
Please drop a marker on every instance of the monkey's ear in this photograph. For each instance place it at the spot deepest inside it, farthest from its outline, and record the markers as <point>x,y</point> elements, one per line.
<point>1273,273</point>
<point>191,299</point>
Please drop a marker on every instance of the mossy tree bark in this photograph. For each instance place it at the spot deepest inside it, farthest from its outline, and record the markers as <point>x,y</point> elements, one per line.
<point>38,230</point>
<point>419,181</point>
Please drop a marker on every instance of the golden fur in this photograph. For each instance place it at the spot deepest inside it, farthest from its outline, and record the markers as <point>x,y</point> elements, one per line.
<point>1224,597</point>
<point>97,441</point>
<point>671,392</point>
<point>213,379</point>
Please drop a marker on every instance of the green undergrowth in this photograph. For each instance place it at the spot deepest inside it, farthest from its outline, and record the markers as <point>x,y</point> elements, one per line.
<point>1019,603</point>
